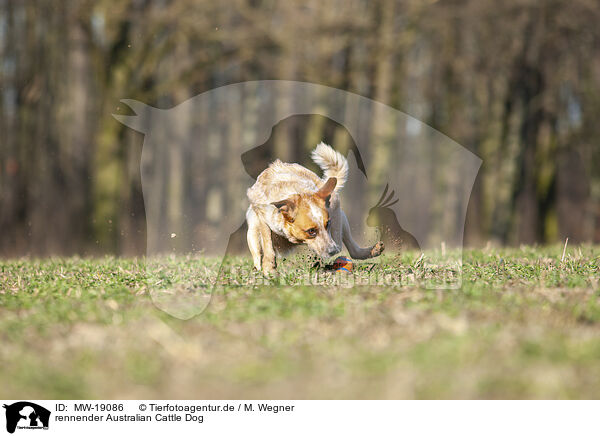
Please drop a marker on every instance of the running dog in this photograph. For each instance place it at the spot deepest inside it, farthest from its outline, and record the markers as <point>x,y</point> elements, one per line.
<point>290,205</point>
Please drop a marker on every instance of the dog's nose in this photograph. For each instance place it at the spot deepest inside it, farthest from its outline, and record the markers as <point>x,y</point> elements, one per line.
<point>333,251</point>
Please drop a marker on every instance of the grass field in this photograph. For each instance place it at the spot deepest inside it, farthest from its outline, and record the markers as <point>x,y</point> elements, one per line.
<point>525,324</point>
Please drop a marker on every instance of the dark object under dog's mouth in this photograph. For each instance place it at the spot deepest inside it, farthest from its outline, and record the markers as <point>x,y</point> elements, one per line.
<point>321,264</point>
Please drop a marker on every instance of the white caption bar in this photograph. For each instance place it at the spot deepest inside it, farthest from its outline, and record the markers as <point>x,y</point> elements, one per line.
<point>21,417</point>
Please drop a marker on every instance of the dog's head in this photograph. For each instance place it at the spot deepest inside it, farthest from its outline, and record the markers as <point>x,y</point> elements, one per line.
<point>306,219</point>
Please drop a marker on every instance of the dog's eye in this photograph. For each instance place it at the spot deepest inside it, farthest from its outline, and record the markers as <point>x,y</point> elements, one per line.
<point>312,232</point>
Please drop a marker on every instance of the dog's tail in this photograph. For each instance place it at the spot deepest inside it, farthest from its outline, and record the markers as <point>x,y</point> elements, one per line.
<point>333,164</point>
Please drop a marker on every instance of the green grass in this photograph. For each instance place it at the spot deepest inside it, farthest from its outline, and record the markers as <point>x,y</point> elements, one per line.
<point>524,325</point>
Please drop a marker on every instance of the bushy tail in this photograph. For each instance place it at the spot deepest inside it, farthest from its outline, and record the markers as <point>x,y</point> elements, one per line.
<point>333,164</point>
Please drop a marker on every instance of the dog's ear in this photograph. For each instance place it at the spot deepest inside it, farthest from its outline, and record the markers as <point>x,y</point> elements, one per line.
<point>287,208</point>
<point>325,192</point>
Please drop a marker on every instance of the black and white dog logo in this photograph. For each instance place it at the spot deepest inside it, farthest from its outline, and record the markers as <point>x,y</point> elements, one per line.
<point>26,415</point>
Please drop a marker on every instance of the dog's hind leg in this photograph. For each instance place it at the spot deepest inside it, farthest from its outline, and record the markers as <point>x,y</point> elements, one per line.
<point>356,251</point>
<point>336,225</point>
<point>254,238</point>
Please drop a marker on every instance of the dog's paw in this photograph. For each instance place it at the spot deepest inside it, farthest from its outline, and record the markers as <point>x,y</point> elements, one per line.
<point>268,272</point>
<point>377,249</point>
<point>271,275</point>
<point>268,268</point>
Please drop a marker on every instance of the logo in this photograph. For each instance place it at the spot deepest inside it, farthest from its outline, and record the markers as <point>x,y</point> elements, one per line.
<point>26,415</point>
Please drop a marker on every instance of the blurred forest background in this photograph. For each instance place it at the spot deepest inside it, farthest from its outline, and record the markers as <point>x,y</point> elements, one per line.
<point>516,82</point>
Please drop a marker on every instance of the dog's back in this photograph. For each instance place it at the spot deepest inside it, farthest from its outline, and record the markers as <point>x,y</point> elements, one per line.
<point>281,180</point>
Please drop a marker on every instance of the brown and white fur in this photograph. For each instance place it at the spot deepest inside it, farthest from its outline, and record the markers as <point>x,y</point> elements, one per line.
<point>291,205</point>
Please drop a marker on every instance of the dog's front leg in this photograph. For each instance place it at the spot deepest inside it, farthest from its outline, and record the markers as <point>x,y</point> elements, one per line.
<point>254,238</point>
<point>268,261</point>
<point>355,250</point>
